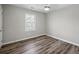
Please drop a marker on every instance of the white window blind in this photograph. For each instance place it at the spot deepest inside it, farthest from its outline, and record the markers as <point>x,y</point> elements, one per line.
<point>30,22</point>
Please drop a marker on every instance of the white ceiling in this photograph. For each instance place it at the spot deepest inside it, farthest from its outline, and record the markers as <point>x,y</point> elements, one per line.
<point>40,7</point>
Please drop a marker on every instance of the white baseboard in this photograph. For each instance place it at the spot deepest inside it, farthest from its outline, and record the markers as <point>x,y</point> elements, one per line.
<point>22,39</point>
<point>64,40</point>
<point>40,35</point>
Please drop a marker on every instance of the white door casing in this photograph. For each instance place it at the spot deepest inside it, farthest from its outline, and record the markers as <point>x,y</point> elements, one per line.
<point>0,26</point>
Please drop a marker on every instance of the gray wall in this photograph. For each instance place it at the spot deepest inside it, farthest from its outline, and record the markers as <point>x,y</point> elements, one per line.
<point>64,24</point>
<point>13,24</point>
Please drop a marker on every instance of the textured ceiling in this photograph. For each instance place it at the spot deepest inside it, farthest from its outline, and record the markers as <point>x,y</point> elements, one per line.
<point>40,7</point>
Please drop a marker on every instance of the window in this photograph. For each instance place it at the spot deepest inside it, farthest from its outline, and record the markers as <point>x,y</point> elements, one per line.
<point>30,22</point>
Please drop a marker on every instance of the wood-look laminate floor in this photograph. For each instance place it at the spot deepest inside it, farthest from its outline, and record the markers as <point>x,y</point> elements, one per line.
<point>40,45</point>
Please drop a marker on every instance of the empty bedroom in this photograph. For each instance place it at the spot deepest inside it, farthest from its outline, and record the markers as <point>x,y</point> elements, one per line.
<point>39,28</point>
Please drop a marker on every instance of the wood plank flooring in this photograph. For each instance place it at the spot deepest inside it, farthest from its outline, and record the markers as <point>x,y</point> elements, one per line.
<point>40,45</point>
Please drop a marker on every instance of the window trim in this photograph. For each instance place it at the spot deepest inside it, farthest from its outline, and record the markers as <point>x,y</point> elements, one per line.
<point>31,28</point>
